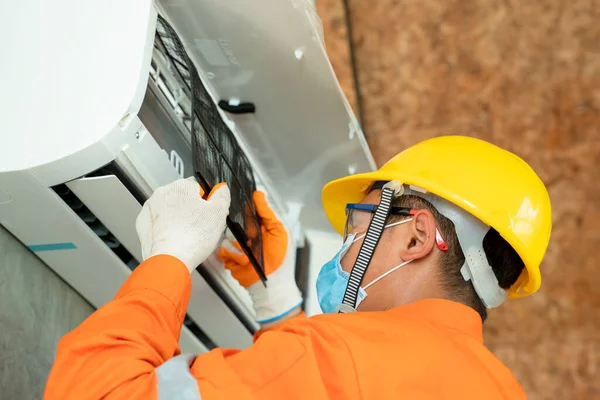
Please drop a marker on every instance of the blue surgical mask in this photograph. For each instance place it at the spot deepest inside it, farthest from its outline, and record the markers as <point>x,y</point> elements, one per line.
<point>333,280</point>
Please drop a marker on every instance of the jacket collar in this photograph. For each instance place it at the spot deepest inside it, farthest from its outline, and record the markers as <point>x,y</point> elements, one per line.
<point>449,314</point>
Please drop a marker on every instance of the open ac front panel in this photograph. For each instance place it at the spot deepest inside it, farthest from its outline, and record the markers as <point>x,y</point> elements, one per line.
<point>93,217</point>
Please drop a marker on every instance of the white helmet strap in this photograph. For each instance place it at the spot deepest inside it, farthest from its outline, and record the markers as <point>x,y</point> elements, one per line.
<point>470,232</point>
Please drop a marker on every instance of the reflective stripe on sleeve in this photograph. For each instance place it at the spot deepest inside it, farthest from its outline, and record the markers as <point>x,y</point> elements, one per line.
<point>175,380</point>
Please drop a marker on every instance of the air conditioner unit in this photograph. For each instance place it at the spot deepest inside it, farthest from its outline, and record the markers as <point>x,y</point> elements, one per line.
<point>94,119</point>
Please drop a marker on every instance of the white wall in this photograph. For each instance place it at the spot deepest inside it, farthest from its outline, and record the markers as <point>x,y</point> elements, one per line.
<point>36,309</point>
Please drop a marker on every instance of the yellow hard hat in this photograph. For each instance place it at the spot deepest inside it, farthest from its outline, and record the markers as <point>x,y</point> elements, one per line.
<point>494,185</point>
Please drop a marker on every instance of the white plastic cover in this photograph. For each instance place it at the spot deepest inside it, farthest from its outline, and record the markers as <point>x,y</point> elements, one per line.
<point>71,71</point>
<point>303,133</point>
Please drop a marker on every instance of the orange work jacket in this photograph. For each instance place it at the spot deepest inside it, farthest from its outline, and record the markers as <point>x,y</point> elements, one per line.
<point>430,349</point>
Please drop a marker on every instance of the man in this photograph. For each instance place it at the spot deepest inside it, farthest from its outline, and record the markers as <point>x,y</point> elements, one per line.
<point>446,229</point>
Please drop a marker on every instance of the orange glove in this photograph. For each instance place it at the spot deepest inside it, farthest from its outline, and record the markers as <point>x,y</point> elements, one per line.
<point>281,295</point>
<point>274,239</point>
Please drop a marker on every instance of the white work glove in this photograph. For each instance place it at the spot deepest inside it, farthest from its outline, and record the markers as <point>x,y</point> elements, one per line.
<point>177,221</point>
<point>281,296</point>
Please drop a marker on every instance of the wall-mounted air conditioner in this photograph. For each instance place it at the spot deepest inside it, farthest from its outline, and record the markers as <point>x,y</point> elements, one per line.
<point>96,115</point>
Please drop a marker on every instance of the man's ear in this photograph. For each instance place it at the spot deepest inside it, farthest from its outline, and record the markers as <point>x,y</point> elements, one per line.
<point>421,236</point>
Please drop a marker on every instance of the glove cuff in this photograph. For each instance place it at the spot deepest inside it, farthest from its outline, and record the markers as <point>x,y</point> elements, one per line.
<point>276,300</point>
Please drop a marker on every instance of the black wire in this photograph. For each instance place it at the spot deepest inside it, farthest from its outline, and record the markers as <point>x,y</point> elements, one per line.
<point>359,102</point>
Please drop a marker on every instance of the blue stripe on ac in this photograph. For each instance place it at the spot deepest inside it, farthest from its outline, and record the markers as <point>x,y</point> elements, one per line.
<point>52,246</point>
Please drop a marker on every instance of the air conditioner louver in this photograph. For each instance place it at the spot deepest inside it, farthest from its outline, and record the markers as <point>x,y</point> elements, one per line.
<point>95,225</point>
<point>110,241</point>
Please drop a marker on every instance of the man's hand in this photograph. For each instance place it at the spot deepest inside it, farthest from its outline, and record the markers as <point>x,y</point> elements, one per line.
<point>281,298</point>
<point>177,221</point>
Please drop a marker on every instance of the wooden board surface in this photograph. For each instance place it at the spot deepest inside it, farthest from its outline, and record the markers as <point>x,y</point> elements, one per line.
<point>337,43</point>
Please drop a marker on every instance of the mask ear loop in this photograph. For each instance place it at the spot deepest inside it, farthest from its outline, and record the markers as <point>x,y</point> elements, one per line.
<point>374,281</point>
<point>386,274</point>
<point>376,226</point>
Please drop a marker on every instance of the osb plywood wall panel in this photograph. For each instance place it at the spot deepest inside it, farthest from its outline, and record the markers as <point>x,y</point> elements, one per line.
<point>337,43</point>
<point>525,76</point>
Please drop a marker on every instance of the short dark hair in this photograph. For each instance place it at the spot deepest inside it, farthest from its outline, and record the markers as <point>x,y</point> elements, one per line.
<point>505,262</point>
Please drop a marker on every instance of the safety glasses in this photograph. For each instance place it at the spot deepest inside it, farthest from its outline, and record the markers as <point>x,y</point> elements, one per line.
<point>358,218</point>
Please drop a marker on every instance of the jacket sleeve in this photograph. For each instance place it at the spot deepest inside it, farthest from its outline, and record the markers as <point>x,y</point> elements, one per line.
<point>113,353</point>
<point>300,358</point>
